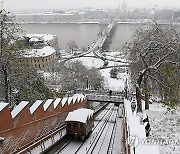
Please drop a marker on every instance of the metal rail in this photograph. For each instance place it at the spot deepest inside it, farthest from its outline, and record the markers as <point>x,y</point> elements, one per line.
<point>66,145</point>
<point>94,143</point>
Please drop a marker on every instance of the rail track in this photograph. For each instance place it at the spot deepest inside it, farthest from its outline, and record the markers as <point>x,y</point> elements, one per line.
<point>97,141</point>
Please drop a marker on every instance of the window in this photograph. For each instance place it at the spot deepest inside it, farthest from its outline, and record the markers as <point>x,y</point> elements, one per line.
<point>82,126</point>
<point>39,66</point>
<point>34,60</point>
<point>42,60</point>
<point>75,125</point>
<point>69,125</point>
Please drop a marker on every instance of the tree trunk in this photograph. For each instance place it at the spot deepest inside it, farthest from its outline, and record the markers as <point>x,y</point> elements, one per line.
<point>146,101</point>
<point>6,86</point>
<point>138,93</point>
<point>138,98</point>
<point>146,94</point>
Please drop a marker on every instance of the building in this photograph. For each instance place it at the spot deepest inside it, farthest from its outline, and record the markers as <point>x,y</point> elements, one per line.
<point>42,58</point>
<point>42,50</point>
<point>21,127</point>
<point>46,18</point>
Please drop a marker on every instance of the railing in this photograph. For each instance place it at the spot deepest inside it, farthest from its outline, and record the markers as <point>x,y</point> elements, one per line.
<point>98,92</point>
<point>104,98</point>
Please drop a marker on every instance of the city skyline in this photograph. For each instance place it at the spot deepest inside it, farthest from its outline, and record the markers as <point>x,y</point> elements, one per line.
<point>70,4</point>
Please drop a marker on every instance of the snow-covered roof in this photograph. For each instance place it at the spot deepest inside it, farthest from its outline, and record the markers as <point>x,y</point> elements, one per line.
<point>47,104</point>
<point>80,115</point>
<point>74,99</point>
<point>43,52</point>
<point>70,100</point>
<point>2,138</point>
<point>46,37</point>
<point>3,105</point>
<point>19,108</point>
<point>34,107</point>
<point>78,97</point>
<point>34,39</point>
<point>64,100</point>
<point>56,102</point>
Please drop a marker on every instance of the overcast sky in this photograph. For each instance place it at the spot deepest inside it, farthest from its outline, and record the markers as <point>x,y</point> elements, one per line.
<point>50,4</point>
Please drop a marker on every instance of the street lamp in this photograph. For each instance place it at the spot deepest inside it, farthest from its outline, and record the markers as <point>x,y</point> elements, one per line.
<point>87,83</point>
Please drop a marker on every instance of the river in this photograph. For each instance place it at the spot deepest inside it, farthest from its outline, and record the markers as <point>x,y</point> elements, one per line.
<point>83,34</point>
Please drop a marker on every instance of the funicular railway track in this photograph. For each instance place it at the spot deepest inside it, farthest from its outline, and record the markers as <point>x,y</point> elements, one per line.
<point>67,139</point>
<point>38,144</point>
<point>104,125</point>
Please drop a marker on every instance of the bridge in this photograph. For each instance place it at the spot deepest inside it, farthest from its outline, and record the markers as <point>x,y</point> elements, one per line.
<point>103,96</point>
<point>103,34</point>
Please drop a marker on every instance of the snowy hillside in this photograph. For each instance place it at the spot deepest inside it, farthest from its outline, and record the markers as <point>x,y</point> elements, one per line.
<point>165,128</point>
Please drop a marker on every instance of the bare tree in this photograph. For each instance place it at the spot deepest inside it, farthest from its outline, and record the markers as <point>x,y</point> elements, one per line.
<point>152,49</point>
<point>74,75</point>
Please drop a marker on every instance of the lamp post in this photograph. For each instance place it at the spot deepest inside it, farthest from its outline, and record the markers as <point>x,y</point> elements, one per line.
<point>87,83</point>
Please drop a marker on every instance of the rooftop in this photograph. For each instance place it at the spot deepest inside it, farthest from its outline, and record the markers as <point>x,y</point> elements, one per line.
<point>80,115</point>
<point>19,108</point>
<point>3,105</point>
<point>43,52</point>
<point>45,37</point>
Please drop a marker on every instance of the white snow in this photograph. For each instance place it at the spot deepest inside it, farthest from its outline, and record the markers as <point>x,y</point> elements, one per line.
<point>56,102</point>
<point>111,83</point>
<point>74,100</point>
<point>2,138</point>
<point>47,104</point>
<point>80,115</point>
<point>137,131</point>
<point>33,40</point>
<point>3,105</point>
<point>19,108</point>
<point>34,107</point>
<point>165,125</point>
<point>43,52</point>
<point>90,62</point>
<point>64,100</point>
<point>147,149</point>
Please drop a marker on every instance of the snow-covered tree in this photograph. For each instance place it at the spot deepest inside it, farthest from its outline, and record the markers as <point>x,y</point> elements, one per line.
<point>16,76</point>
<point>153,52</point>
<point>74,75</point>
<point>8,50</point>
